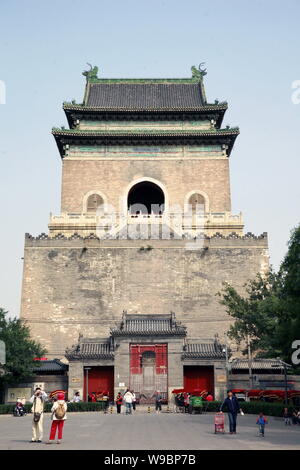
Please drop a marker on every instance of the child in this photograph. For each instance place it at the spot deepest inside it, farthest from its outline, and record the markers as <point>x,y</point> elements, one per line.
<point>58,410</point>
<point>261,421</point>
<point>287,417</point>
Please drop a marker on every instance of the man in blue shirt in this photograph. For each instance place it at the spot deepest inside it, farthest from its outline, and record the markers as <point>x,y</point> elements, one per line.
<point>233,407</point>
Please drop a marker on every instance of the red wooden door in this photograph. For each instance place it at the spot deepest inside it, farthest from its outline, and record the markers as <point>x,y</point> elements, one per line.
<point>101,379</point>
<point>149,370</point>
<point>199,378</point>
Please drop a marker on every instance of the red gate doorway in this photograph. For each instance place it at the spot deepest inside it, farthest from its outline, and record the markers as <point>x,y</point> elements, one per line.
<point>149,371</point>
<point>101,379</point>
<point>199,378</point>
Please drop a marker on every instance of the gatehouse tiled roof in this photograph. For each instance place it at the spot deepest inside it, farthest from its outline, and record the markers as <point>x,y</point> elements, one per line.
<point>145,96</point>
<point>204,350</point>
<point>54,365</point>
<point>149,325</point>
<point>90,350</point>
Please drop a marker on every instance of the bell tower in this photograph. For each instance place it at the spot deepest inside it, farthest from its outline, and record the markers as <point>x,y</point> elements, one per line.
<point>145,226</point>
<point>145,151</point>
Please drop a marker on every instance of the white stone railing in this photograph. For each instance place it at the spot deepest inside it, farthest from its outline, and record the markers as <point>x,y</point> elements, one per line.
<point>209,218</point>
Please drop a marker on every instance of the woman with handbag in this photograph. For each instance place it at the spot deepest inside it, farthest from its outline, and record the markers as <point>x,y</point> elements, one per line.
<point>38,399</point>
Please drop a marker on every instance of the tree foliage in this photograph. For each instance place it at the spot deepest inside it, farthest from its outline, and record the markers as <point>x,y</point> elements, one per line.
<point>20,349</point>
<point>269,312</point>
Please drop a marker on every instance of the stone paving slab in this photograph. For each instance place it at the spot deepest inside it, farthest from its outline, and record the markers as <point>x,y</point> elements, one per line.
<point>93,430</point>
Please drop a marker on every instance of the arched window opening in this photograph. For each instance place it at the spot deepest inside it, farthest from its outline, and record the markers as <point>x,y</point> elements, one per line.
<point>146,198</point>
<point>197,203</point>
<point>93,203</point>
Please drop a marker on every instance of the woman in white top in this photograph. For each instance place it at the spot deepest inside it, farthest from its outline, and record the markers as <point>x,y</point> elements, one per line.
<point>59,415</point>
<point>128,398</point>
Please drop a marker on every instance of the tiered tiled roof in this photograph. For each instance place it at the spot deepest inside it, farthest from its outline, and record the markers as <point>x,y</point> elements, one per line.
<point>171,96</point>
<point>145,98</point>
<point>143,325</point>
<point>204,350</point>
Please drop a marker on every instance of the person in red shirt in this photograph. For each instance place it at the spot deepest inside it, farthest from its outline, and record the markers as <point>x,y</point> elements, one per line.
<point>119,401</point>
<point>209,397</point>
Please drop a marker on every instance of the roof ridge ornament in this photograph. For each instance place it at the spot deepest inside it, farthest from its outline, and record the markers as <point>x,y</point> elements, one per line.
<point>198,73</point>
<point>92,73</point>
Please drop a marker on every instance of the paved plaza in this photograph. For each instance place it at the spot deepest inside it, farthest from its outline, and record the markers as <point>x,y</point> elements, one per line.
<point>93,430</point>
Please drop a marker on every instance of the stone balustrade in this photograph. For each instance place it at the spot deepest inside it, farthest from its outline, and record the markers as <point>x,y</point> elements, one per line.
<point>86,223</point>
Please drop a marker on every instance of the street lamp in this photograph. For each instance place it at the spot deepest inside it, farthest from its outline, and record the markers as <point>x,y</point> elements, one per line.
<point>285,366</point>
<point>249,362</point>
<point>87,383</point>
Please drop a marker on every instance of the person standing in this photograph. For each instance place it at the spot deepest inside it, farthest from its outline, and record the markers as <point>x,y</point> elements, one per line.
<point>38,400</point>
<point>186,401</point>
<point>173,401</point>
<point>261,421</point>
<point>158,400</point>
<point>133,400</point>
<point>287,417</point>
<point>105,401</point>
<point>233,407</point>
<point>119,401</point>
<point>59,415</point>
<point>128,401</point>
<point>76,398</point>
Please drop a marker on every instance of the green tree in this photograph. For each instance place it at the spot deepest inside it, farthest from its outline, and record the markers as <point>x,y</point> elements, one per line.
<point>269,312</point>
<point>20,350</point>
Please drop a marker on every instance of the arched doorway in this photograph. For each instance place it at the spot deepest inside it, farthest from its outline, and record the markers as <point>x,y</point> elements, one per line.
<point>146,198</point>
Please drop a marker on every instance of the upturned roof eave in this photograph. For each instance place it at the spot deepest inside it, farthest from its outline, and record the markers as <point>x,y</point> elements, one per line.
<point>73,110</point>
<point>145,133</point>
<point>63,137</point>
<point>85,108</point>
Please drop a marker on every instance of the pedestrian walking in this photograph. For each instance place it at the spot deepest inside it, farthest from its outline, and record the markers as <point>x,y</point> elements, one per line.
<point>133,400</point>
<point>233,407</point>
<point>38,400</point>
<point>261,421</point>
<point>287,417</point>
<point>119,401</point>
<point>59,415</point>
<point>128,401</point>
